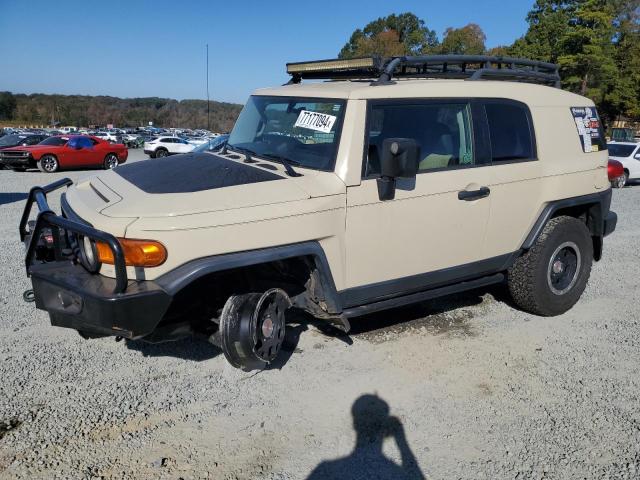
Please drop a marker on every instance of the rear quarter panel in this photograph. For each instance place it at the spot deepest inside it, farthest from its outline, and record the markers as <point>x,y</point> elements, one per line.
<point>520,191</point>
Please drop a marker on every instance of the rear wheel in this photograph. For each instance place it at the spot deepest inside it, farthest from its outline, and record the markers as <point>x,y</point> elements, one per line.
<point>48,164</point>
<point>550,278</point>
<point>252,328</point>
<point>161,152</point>
<point>110,161</point>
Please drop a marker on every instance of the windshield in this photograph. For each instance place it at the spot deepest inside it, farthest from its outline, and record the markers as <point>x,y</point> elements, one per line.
<point>617,150</point>
<point>304,131</point>
<point>56,141</point>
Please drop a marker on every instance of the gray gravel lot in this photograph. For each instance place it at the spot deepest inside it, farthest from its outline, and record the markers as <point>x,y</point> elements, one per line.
<point>480,389</point>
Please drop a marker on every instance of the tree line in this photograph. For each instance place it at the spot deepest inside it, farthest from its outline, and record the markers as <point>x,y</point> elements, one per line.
<point>81,110</point>
<point>596,43</point>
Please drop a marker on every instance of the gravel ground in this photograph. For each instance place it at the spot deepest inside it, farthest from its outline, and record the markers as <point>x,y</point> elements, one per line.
<point>464,387</point>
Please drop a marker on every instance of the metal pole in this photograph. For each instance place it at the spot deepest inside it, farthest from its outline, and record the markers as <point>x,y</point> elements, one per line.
<point>208,122</point>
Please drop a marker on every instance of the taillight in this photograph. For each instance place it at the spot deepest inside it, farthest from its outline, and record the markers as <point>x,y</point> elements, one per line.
<point>614,169</point>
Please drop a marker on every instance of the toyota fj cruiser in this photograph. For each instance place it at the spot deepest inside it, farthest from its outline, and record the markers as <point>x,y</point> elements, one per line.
<point>396,181</point>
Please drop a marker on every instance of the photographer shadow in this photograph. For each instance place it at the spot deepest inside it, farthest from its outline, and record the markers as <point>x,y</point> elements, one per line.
<point>373,424</point>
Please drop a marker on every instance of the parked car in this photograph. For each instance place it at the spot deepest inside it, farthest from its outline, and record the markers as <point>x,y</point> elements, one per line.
<point>65,152</point>
<point>22,139</point>
<point>628,154</point>
<point>616,174</point>
<point>164,146</point>
<point>112,137</point>
<point>405,189</point>
<point>68,130</point>
<point>212,145</point>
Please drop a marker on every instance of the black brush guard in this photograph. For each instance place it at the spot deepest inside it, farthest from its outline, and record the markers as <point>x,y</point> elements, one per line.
<point>74,297</point>
<point>48,219</point>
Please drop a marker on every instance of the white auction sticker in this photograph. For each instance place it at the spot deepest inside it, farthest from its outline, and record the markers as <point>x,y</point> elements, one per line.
<point>320,122</point>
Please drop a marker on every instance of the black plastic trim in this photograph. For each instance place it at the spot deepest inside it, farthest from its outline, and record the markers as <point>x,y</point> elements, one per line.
<point>600,200</point>
<point>422,296</point>
<point>377,292</point>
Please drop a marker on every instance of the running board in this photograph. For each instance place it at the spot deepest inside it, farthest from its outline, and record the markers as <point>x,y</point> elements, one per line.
<point>422,296</point>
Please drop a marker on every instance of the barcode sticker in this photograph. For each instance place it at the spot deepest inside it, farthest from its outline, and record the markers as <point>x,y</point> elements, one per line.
<point>320,122</point>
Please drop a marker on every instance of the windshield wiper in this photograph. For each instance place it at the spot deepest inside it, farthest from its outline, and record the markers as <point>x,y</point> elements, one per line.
<point>247,153</point>
<point>284,161</point>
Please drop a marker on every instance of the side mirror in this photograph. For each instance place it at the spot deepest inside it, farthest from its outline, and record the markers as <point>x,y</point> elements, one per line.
<point>400,158</point>
<point>637,157</point>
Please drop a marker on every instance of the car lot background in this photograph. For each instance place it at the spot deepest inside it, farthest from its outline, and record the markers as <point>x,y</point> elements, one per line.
<point>482,390</point>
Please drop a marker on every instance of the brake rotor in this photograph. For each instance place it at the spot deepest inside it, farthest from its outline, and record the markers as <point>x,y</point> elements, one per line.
<point>252,328</point>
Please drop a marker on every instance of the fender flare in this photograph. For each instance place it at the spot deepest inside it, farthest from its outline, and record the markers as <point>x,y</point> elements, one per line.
<point>598,210</point>
<point>185,274</point>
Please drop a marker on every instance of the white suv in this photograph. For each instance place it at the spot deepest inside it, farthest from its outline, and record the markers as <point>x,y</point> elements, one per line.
<point>164,146</point>
<point>628,154</point>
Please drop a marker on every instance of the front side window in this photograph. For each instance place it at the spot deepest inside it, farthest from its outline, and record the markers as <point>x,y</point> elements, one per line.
<point>509,131</point>
<point>442,130</point>
<point>304,131</point>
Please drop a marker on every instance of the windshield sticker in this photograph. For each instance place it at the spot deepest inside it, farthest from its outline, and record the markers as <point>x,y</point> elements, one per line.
<point>320,122</point>
<point>588,125</point>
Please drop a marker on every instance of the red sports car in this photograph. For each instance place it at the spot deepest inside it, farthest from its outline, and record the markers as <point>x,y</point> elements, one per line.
<point>65,151</point>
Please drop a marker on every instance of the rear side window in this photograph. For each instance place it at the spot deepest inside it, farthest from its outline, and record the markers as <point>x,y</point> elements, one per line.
<point>510,132</point>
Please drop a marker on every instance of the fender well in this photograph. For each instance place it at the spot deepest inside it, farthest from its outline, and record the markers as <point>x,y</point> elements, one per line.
<point>305,254</point>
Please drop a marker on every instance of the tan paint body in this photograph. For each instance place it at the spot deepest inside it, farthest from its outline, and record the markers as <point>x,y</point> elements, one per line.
<point>426,228</point>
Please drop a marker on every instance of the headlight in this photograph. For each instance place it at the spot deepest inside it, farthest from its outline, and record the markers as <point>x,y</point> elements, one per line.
<point>137,253</point>
<point>89,254</point>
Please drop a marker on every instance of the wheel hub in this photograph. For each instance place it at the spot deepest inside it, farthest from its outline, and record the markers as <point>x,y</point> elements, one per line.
<point>267,327</point>
<point>564,267</point>
<point>558,267</point>
<point>252,328</point>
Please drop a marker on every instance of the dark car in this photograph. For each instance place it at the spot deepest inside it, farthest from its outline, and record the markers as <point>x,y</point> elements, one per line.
<point>21,140</point>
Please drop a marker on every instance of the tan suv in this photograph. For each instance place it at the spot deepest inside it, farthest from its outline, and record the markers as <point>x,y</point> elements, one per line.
<point>397,181</point>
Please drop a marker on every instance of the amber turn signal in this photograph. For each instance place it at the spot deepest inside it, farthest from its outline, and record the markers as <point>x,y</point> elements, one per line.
<point>137,253</point>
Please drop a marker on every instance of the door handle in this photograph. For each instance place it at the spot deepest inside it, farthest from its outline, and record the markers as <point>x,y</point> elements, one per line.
<point>469,195</point>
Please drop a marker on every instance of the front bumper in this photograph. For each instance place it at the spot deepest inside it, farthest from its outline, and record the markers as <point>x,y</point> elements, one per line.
<point>74,297</point>
<point>11,162</point>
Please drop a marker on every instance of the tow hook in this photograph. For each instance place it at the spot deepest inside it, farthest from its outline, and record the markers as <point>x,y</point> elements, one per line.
<point>28,296</point>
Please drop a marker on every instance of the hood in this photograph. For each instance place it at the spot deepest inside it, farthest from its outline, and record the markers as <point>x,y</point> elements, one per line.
<point>201,182</point>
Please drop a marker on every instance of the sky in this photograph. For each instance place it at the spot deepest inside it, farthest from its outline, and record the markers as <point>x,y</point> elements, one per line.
<point>157,48</point>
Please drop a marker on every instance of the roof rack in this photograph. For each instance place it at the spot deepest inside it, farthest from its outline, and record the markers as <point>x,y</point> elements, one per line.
<point>470,67</point>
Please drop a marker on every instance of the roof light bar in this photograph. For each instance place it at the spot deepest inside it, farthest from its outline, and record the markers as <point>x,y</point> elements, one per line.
<point>332,65</point>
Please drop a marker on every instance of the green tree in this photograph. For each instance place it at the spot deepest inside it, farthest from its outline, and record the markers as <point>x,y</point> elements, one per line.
<point>7,105</point>
<point>548,23</point>
<point>468,40</point>
<point>403,34</point>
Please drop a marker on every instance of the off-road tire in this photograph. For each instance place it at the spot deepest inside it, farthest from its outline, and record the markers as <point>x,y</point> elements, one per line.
<point>48,164</point>
<point>529,279</point>
<point>161,153</point>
